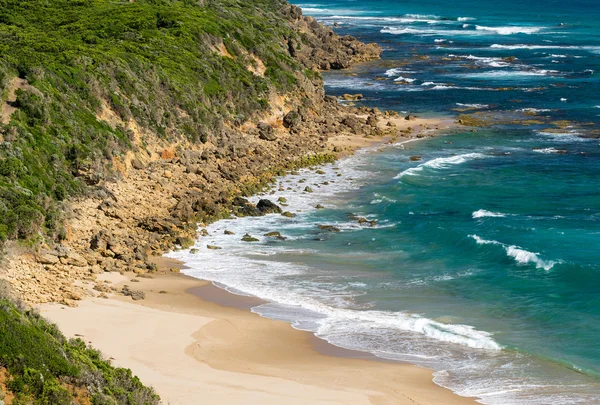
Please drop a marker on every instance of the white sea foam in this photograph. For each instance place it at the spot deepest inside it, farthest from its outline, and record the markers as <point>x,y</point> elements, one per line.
<point>465,19</point>
<point>508,74</point>
<point>474,106</point>
<point>440,163</point>
<point>510,30</point>
<point>486,214</point>
<point>396,72</point>
<point>534,110</point>
<point>404,79</point>
<point>547,150</point>
<point>521,256</point>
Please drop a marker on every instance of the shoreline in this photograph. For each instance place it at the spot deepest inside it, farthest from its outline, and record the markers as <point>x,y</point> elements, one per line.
<point>198,315</point>
<point>191,348</point>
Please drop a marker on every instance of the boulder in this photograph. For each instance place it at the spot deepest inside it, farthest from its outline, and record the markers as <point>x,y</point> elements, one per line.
<point>229,232</point>
<point>268,207</point>
<point>329,228</point>
<point>48,257</point>
<point>75,259</point>
<point>352,122</point>
<point>249,238</point>
<point>372,121</point>
<point>352,97</point>
<point>137,164</point>
<point>212,247</point>
<point>288,214</point>
<point>184,242</point>
<point>134,294</point>
<point>266,132</point>
<point>308,189</point>
<point>275,235</point>
<point>292,119</point>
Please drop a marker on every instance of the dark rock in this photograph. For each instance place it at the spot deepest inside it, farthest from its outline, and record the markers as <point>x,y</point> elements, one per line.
<point>135,295</point>
<point>268,207</point>
<point>229,232</point>
<point>308,189</point>
<point>410,117</point>
<point>275,235</point>
<point>240,202</point>
<point>288,214</point>
<point>415,158</point>
<point>249,238</point>
<point>184,242</point>
<point>319,207</point>
<point>292,119</point>
<point>352,123</point>
<point>329,228</point>
<point>372,121</point>
<point>212,247</point>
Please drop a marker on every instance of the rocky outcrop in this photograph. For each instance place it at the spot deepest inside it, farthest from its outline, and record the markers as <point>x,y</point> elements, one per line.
<point>321,48</point>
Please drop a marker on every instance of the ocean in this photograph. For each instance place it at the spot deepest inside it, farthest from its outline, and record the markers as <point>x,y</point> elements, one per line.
<point>484,260</point>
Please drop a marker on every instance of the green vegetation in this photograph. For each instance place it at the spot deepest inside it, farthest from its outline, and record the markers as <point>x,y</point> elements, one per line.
<point>47,369</point>
<point>160,63</point>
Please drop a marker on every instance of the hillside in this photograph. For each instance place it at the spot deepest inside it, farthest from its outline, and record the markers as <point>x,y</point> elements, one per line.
<point>122,125</point>
<point>86,82</point>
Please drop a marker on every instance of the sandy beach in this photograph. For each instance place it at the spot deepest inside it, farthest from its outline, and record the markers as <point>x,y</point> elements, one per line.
<point>195,343</point>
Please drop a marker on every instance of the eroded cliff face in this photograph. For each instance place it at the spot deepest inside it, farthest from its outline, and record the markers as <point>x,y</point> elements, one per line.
<point>149,197</point>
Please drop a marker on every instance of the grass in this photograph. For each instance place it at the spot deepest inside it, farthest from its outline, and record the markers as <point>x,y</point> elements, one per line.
<point>45,368</point>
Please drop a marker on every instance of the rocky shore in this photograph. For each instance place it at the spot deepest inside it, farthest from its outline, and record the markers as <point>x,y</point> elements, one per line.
<point>166,188</point>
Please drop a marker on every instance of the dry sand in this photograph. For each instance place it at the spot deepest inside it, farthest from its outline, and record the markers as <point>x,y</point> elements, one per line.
<point>197,344</point>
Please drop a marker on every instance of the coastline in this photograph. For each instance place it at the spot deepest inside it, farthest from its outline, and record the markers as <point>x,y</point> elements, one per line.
<point>198,342</point>
<point>188,337</point>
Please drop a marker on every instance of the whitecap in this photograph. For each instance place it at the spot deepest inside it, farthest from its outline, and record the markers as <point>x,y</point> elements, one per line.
<point>474,106</point>
<point>486,214</point>
<point>547,150</point>
<point>404,79</point>
<point>521,256</point>
<point>510,30</point>
<point>440,163</point>
<point>396,72</point>
<point>465,19</point>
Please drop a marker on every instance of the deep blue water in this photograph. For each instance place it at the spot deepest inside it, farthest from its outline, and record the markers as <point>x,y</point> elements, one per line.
<point>484,264</point>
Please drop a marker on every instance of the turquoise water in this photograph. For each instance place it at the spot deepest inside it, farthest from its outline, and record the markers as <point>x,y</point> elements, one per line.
<point>484,264</point>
